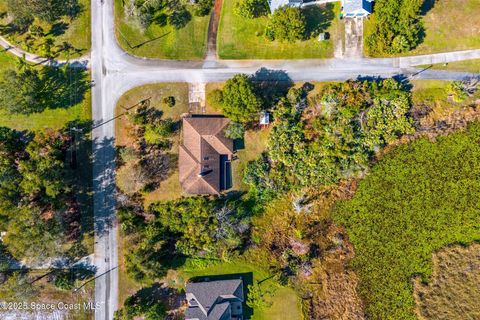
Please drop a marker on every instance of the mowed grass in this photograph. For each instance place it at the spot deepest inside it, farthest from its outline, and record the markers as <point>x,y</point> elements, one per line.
<point>77,34</point>
<point>419,198</point>
<point>162,42</point>
<point>50,118</point>
<point>285,303</point>
<point>241,38</point>
<point>452,291</point>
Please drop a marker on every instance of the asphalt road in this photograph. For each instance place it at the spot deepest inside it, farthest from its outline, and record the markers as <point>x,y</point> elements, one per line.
<point>114,72</point>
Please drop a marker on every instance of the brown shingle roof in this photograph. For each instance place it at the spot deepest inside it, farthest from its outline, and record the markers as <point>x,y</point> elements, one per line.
<point>199,154</point>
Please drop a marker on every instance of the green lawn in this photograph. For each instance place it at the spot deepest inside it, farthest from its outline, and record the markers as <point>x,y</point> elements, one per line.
<point>7,61</point>
<point>285,303</point>
<point>50,118</point>
<point>419,198</point>
<point>77,34</point>
<point>241,38</point>
<point>162,42</point>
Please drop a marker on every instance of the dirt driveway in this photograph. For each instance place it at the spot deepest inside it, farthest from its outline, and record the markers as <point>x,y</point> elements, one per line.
<point>353,38</point>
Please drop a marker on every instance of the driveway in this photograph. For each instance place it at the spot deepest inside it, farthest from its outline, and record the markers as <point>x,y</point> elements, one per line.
<point>353,38</point>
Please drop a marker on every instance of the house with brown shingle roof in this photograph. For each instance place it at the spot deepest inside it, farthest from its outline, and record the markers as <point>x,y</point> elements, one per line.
<point>205,155</point>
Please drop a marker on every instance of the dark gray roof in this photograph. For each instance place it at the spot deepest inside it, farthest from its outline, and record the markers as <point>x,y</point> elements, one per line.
<point>219,312</point>
<point>210,296</point>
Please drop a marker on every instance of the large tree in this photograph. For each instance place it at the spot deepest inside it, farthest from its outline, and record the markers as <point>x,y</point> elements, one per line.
<point>286,24</point>
<point>396,27</point>
<point>36,89</point>
<point>241,103</point>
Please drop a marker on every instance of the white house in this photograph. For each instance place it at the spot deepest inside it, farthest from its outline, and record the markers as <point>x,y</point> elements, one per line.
<point>357,8</point>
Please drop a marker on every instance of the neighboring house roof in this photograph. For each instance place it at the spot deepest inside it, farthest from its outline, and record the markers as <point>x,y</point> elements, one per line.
<point>275,4</point>
<point>357,8</point>
<point>204,143</point>
<point>212,300</point>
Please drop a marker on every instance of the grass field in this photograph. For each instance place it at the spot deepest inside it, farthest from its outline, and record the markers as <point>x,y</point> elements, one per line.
<point>452,291</point>
<point>241,38</point>
<point>77,33</point>
<point>162,42</point>
<point>416,200</point>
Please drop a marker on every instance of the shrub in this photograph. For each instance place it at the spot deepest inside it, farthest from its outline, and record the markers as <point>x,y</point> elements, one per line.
<point>215,99</point>
<point>169,101</point>
<point>202,7</point>
<point>241,103</point>
<point>234,130</point>
<point>419,198</point>
<point>251,8</point>
<point>64,280</point>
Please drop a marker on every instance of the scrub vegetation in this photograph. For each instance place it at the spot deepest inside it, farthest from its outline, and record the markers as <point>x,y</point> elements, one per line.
<point>403,211</point>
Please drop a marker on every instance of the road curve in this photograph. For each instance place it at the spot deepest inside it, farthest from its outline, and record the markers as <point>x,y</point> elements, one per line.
<point>83,61</point>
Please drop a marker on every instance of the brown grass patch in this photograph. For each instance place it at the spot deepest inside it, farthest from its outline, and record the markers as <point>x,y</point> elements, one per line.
<point>453,291</point>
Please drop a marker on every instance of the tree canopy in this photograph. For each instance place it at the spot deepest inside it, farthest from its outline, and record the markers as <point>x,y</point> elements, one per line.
<point>286,24</point>
<point>35,89</point>
<point>396,27</point>
<point>187,227</point>
<point>240,101</point>
<point>333,135</point>
<point>251,8</point>
<point>35,192</point>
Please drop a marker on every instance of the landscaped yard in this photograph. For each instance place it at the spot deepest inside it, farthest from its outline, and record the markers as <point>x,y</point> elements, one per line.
<point>169,188</point>
<point>241,38</point>
<point>162,42</point>
<point>77,33</point>
<point>285,303</point>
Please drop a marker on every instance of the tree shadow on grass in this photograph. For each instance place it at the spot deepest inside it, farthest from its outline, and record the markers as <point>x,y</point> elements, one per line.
<point>427,6</point>
<point>318,19</point>
<point>58,29</point>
